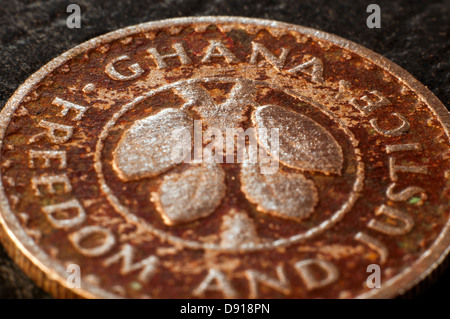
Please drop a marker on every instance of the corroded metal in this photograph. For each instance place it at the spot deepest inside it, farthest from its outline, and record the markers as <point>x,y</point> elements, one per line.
<point>88,178</point>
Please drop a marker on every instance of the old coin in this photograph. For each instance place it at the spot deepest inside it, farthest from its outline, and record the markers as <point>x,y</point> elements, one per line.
<point>224,157</point>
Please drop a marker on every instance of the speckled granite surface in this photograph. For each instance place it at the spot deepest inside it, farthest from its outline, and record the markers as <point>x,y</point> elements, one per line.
<point>414,34</point>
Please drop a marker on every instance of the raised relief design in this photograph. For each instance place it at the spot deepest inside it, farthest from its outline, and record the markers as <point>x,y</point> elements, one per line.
<point>145,149</point>
<point>237,230</point>
<point>229,114</point>
<point>290,196</point>
<point>304,144</point>
<point>195,191</point>
<point>193,194</point>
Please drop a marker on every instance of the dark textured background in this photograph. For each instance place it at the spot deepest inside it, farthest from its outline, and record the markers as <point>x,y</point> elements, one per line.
<point>413,34</point>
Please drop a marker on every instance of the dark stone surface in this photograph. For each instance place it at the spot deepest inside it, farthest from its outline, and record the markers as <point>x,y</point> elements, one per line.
<point>414,34</point>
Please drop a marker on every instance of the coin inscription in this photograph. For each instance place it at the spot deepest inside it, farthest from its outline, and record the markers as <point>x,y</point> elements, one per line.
<point>225,158</point>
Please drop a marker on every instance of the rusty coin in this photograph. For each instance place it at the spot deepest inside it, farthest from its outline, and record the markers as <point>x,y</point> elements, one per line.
<point>224,157</point>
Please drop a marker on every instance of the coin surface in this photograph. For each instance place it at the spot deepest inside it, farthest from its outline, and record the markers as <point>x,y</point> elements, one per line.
<point>224,157</point>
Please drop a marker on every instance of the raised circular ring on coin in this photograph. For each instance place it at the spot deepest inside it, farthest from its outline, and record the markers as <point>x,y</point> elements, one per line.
<point>224,157</point>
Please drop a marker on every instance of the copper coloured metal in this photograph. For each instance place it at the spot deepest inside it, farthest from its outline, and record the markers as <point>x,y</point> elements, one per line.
<point>362,171</point>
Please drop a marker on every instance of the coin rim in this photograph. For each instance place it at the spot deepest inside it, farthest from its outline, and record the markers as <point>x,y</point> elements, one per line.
<point>49,274</point>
